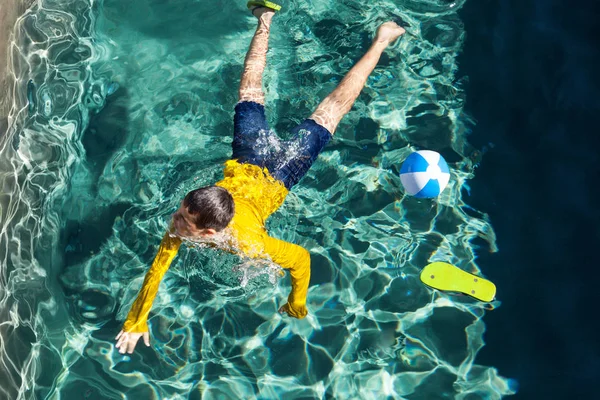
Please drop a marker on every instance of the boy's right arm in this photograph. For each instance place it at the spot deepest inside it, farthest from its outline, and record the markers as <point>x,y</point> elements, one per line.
<point>136,324</point>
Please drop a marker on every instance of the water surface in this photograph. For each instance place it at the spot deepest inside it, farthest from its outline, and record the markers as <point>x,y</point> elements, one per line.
<point>123,107</point>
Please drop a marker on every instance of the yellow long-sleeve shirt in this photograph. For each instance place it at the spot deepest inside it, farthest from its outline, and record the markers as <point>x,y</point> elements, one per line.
<point>257,195</point>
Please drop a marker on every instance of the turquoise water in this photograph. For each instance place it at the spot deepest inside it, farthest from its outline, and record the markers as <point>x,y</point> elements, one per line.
<point>120,108</point>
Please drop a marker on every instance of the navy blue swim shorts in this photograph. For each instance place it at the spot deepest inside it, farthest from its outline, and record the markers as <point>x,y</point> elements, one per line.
<point>286,160</point>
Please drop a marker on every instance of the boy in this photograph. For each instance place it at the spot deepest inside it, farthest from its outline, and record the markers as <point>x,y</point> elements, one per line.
<point>256,179</point>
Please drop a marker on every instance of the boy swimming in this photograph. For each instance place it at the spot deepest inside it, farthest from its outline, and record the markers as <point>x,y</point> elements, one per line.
<point>261,172</point>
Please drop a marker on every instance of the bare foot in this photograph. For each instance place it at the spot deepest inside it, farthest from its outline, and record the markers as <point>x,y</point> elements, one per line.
<point>388,32</point>
<point>263,14</point>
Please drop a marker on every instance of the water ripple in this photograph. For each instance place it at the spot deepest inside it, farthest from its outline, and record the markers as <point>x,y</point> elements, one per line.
<point>120,108</point>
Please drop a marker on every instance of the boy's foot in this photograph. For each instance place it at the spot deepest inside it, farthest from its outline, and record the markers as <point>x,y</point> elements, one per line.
<point>388,32</point>
<point>263,14</point>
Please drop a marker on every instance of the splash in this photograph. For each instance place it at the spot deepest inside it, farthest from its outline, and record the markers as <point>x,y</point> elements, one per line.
<point>246,269</point>
<point>120,108</point>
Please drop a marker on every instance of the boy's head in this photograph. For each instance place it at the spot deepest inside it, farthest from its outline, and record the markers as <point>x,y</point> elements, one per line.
<point>204,212</point>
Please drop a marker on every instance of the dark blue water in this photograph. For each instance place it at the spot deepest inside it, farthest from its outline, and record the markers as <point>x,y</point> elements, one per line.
<point>534,92</point>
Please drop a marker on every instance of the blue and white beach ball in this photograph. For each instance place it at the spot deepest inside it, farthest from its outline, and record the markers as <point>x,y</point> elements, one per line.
<point>424,174</point>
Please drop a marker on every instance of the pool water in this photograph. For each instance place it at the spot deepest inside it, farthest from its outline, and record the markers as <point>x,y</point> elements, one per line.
<point>120,108</point>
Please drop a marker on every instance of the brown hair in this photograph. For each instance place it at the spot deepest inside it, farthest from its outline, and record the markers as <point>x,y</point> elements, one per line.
<point>212,207</point>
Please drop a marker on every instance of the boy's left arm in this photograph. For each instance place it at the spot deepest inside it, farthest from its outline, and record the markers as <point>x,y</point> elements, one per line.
<point>297,260</point>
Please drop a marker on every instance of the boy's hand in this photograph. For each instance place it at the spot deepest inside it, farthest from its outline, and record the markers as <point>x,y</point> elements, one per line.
<point>126,341</point>
<point>299,314</point>
<point>284,309</point>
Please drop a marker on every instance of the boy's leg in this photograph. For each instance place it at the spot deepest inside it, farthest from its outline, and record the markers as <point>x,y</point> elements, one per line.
<point>256,58</point>
<point>313,134</point>
<point>249,120</point>
<point>331,110</point>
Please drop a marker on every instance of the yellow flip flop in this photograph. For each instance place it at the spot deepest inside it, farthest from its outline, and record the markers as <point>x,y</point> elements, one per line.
<point>447,277</point>
<point>267,4</point>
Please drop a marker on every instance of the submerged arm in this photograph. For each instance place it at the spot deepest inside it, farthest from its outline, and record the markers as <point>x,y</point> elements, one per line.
<point>297,260</point>
<point>136,324</point>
